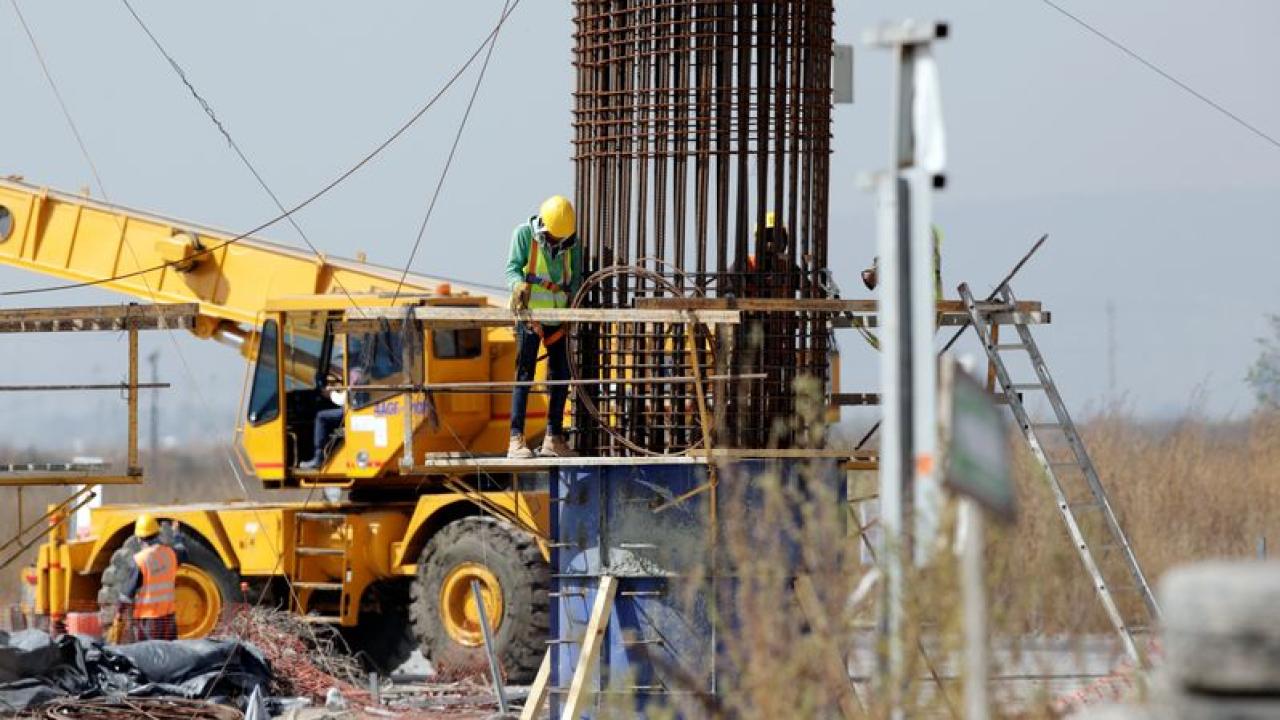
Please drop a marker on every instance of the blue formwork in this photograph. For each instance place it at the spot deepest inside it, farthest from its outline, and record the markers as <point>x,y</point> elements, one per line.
<point>603,523</point>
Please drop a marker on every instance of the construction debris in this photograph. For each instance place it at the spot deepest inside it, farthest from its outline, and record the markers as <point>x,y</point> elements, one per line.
<point>308,660</point>
<point>153,708</point>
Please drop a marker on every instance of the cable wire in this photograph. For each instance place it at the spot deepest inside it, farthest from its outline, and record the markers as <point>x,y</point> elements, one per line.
<point>62,105</point>
<point>453,150</point>
<point>102,190</point>
<point>1156,69</point>
<point>235,147</point>
<point>342,177</point>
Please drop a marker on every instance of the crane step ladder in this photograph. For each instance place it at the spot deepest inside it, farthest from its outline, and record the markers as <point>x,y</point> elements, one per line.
<point>1082,501</point>
<point>308,579</point>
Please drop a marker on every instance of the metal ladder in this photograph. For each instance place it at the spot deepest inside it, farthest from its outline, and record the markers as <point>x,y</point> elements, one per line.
<point>1099,540</point>
<point>301,579</point>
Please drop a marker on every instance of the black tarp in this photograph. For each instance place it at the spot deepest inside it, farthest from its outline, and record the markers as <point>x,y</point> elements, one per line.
<point>36,668</point>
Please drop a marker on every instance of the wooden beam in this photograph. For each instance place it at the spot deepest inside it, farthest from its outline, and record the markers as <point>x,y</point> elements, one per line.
<point>31,479</point>
<point>951,319</point>
<point>107,318</point>
<point>855,398</point>
<point>777,453</point>
<point>538,691</point>
<point>508,385</point>
<point>591,642</point>
<point>461,463</point>
<point>809,305</point>
<point>365,319</point>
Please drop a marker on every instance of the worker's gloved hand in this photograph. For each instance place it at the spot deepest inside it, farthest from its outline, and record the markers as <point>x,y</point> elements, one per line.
<point>869,278</point>
<point>519,296</point>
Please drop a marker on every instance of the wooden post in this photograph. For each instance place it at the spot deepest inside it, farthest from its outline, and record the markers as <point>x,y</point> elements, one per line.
<point>807,597</point>
<point>407,454</point>
<point>134,467</point>
<point>596,625</point>
<point>538,691</point>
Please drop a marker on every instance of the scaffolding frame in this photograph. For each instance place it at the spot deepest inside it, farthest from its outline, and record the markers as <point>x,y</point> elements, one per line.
<point>130,319</point>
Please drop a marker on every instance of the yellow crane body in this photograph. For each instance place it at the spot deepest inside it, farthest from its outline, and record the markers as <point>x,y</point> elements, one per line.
<point>397,554</point>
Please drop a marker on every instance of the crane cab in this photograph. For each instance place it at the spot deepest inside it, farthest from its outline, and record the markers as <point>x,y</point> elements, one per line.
<point>327,407</point>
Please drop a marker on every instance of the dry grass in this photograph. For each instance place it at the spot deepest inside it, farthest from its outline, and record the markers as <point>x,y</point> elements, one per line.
<point>1183,491</point>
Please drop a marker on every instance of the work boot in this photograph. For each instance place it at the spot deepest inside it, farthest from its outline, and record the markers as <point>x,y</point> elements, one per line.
<point>518,448</point>
<point>555,446</point>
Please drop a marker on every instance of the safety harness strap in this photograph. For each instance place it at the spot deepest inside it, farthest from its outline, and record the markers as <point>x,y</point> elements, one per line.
<point>531,276</point>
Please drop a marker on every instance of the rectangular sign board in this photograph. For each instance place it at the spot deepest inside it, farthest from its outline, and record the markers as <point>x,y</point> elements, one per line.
<point>977,453</point>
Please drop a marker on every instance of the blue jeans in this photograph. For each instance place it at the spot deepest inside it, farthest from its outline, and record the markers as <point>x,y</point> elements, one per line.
<point>527,346</point>
<point>327,421</point>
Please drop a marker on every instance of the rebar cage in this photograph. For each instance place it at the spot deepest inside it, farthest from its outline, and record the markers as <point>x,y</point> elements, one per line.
<point>701,149</point>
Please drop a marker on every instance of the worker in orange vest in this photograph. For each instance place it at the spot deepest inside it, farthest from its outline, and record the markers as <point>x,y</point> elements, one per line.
<point>150,587</point>
<point>769,272</point>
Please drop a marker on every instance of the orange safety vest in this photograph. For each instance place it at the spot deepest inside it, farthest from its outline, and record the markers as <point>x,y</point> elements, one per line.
<point>545,293</point>
<point>155,597</point>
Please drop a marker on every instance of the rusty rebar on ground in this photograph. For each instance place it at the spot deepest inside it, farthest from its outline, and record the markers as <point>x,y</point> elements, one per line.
<point>694,121</point>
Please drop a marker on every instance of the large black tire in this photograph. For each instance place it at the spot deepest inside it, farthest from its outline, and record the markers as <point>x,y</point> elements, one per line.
<point>512,556</point>
<point>225,581</point>
<point>383,639</point>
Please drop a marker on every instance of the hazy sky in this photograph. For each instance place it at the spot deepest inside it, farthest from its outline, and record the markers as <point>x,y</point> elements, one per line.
<point>1154,201</point>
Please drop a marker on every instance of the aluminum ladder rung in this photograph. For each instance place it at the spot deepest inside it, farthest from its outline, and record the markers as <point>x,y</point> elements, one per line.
<point>1010,346</point>
<point>1017,387</point>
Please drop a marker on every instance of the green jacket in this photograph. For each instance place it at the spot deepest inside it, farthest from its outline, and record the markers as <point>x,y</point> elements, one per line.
<point>518,258</point>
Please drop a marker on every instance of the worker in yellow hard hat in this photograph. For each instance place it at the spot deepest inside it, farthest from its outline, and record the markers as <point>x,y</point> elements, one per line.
<point>544,270</point>
<point>769,271</point>
<point>148,592</point>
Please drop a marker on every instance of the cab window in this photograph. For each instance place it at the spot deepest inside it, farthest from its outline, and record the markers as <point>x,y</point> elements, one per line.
<point>459,344</point>
<point>304,349</point>
<point>264,397</point>
<point>375,358</point>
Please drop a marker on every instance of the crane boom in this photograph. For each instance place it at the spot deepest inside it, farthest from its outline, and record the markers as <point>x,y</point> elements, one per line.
<point>79,239</point>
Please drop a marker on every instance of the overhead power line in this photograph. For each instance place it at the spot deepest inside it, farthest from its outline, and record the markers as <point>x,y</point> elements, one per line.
<point>401,130</point>
<point>453,150</point>
<point>1162,73</point>
<point>235,147</point>
<point>102,190</point>
<point>62,105</point>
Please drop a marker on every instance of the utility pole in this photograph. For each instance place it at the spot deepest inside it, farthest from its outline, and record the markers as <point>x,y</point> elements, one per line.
<point>153,441</point>
<point>910,494</point>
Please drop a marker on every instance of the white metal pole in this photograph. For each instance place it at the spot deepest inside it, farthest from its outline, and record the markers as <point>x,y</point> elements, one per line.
<point>974,598</point>
<point>906,310</point>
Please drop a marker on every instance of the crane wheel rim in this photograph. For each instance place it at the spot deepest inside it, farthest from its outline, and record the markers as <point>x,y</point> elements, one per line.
<point>199,602</point>
<point>458,612</point>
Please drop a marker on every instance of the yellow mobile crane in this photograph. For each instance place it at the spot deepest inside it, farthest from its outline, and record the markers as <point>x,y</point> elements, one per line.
<point>393,564</point>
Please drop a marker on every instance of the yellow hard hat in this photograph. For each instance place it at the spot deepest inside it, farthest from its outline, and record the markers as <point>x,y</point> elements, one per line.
<point>557,216</point>
<point>146,526</point>
<point>770,220</point>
